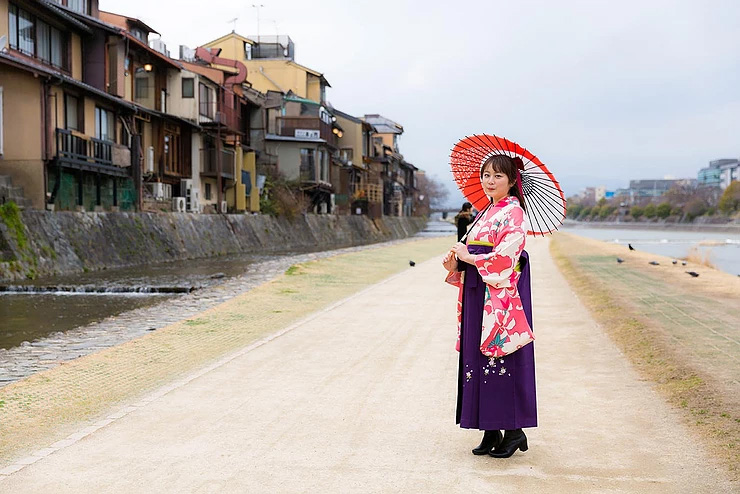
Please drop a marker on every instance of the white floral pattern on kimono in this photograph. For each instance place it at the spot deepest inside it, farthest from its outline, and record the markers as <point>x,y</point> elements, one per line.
<point>505,326</point>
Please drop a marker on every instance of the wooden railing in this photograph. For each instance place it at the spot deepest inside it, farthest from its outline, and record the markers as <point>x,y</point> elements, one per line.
<point>85,152</point>
<point>209,162</point>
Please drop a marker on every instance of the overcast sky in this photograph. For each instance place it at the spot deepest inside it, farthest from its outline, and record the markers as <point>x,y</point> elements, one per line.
<point>602,91</point>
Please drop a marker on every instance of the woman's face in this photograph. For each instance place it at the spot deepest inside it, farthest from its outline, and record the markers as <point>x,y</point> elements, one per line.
<point>495,184</point>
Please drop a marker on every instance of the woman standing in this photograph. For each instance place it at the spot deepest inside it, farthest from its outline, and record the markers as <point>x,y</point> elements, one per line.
<point>492,271</point>
<point>463,219</point>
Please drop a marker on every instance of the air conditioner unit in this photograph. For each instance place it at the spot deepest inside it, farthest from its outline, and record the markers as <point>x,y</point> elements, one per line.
<point>333,202</point>
<point>167,191</point>
<point>193,203</point>
<point>178,204</point>
<point>224,207</point>
<point>149,161</point>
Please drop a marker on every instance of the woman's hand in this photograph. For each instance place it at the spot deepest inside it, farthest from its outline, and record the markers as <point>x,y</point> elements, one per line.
<point>461,251</point>
<point>449,262</point>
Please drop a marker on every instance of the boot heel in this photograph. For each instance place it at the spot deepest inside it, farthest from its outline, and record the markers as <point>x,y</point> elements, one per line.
<point>524,446</point>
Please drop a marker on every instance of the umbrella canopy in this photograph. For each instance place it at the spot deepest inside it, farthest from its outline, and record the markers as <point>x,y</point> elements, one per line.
<point>543,197</point>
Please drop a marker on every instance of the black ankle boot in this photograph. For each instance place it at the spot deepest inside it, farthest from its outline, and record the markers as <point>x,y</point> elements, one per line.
<point>513,440</point>
<point>491,439</point>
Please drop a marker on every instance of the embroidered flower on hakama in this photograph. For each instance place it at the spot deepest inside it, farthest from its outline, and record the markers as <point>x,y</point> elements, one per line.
<point>486,371</point>
<point>469,375</point>
<point>516,341</point>
<point>502,371</point>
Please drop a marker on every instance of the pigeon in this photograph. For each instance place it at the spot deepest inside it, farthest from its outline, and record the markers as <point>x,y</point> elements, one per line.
<point>630,246</point>
<point>412,263</point>
<point>693,274</point>
<point>620,260</point>
<point>674,262</point>
<point>654,263</point>
<point>683,263</point>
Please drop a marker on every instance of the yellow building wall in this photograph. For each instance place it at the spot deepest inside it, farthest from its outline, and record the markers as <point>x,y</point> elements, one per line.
<point>22,142</point>
<point>236,196</point>
<point>281,76</point>
<point>313,87</point>
<point>250,165</point>
<point>76,57</point>
<point>351,138</point>
<point>4,17</point>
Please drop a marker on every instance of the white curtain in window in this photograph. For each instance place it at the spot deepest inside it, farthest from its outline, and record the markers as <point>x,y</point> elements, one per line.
<point>43,39</point>
<point>57,47</point>
<point>26,37</point>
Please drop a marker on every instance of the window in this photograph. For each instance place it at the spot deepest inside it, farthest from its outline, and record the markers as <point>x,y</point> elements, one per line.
<point>308,166</point>
<point>208,192</point>
<point>206,100</point>
<point>76,5</point>
<point>105,124</point>
<point>1,120</point>
<point>188,87</point>
<point>71,114</point>
<point>139,34</point>
<point>323,169</point>
<point>141,84</point>
<point>26,34</point>
<point>346,153</point>
<point>36,38</point>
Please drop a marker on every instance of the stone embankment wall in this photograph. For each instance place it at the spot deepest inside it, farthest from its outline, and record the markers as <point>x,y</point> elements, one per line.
<point>40,243</point>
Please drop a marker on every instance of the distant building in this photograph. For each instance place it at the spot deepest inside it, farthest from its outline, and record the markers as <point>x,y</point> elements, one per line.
<point>719,173</point>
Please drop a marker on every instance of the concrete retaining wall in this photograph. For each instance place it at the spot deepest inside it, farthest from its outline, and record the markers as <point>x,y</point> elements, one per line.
<point>68,242</point>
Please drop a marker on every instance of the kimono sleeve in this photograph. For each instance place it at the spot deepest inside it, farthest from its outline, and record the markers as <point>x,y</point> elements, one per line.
<point>497,266</point>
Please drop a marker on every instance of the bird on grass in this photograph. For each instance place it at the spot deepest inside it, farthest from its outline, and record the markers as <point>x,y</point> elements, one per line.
<point>674,262</point>
<point>620,260</point>
<point>654,263</point>
<point>630,246</point>
<point>412,263</point>
<point>693,274</point>
<point>683,263</point>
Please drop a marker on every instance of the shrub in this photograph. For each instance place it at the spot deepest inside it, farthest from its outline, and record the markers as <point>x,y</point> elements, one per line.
<point>650,211</point>
<point>695,207</point>
<point>636,211</point>
<point>729,203</point>
<point>663,210</point>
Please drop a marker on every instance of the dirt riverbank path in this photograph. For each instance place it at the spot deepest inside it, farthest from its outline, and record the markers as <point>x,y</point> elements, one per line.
<point>361,398</point>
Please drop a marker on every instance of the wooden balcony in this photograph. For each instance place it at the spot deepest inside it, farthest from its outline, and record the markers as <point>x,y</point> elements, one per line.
<point>209,163</point>
<point>305,127</point>
<point>90,154</point>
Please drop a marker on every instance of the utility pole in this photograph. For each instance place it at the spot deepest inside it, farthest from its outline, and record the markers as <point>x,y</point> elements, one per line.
<point>258,7</point>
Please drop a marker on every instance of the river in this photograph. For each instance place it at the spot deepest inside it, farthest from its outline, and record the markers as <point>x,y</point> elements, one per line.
<point>99,309</point>
<point>721,249</point>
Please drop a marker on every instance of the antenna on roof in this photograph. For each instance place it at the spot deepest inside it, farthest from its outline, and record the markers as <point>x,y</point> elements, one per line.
<point>233,30</point>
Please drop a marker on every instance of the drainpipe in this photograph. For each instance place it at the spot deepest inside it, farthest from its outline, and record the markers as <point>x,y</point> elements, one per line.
<point>262,71</point>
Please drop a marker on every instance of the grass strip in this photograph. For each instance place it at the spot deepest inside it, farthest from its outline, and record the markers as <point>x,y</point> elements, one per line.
<point>637,325</point>
<point>48,406</point>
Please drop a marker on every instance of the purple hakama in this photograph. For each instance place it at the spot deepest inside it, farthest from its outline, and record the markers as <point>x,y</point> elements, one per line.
<point>494,393</point>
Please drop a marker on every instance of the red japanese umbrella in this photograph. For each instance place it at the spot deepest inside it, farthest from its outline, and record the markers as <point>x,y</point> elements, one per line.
<point>543,197</point>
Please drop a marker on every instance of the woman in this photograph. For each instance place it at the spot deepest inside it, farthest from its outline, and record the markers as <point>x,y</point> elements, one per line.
<point>495,393</point>
<point>463,219</point>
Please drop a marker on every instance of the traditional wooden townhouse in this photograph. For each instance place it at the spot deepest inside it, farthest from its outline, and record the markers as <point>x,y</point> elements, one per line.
<point>139,73</point>
<point>399,182</point>
<point>301,131</point>
<point>355,193</point>
<point>63,137</point>
<point>226,111</point>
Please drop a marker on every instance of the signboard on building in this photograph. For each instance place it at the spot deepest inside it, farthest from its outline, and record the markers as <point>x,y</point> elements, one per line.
<point>307,134</point>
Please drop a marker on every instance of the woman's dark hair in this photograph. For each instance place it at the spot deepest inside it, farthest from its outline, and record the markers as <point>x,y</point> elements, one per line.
<point>501,163</point>
<point>466,207</point>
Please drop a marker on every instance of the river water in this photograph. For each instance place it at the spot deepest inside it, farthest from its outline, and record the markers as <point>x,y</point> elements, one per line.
<point>38,330</point>
<point>721,249</point>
